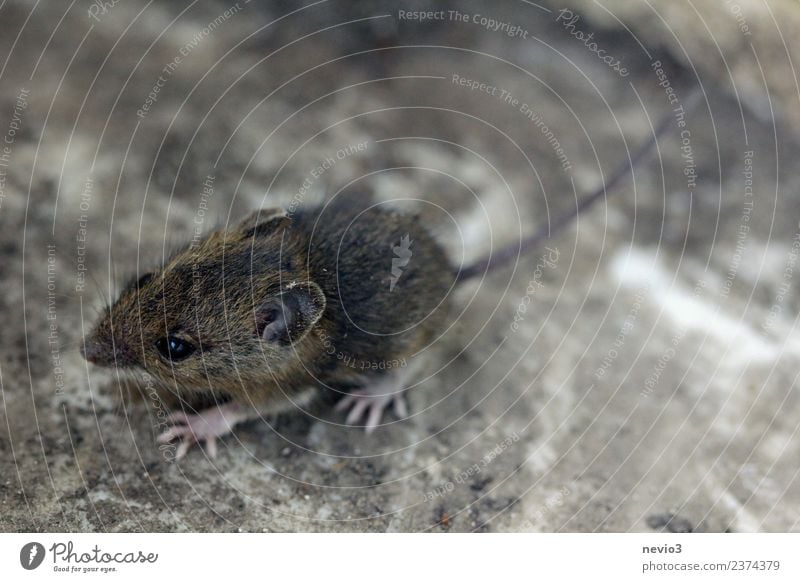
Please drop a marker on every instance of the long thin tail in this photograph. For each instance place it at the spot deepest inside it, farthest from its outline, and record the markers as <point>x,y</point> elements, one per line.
<point>514,250</point>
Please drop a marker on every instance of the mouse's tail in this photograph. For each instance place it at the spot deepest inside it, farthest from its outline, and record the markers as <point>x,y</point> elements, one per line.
<point>513,251</point>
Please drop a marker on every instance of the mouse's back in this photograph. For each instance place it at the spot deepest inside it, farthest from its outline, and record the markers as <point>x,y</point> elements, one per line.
<point>386,278</point>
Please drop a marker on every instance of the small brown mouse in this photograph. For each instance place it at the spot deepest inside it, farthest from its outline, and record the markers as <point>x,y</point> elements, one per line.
<point>265,314</point>
<point>279,306</point>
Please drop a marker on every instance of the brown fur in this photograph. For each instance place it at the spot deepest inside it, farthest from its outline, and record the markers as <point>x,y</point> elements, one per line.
<point>210,294</point>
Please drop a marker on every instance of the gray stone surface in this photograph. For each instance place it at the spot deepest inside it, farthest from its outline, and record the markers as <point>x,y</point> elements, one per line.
<point>649,381</point>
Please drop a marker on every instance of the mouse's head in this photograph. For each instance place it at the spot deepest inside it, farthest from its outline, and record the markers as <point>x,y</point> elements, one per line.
<point>230,310</point>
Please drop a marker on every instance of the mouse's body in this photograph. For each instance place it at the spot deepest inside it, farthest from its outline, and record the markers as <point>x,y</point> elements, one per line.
<point>261,314</point>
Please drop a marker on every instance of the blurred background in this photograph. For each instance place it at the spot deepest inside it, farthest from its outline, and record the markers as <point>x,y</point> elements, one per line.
<point>638,374</point>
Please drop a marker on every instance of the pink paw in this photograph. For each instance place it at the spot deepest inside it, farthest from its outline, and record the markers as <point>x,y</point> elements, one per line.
<point>203,427</point>
<point>368,406</point>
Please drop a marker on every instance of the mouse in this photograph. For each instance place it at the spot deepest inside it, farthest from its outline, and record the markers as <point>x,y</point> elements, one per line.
<point>262,316</point>
<point>273,310</point>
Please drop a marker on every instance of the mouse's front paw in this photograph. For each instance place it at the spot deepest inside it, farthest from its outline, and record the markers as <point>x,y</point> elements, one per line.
<point>205,426</point>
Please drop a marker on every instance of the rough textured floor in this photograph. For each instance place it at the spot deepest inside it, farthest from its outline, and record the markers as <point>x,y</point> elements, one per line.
<point>639,375</point>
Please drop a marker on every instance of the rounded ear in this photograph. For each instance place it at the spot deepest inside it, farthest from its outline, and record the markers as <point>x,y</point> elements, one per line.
<point>288,317</point>
<point>263,221</point>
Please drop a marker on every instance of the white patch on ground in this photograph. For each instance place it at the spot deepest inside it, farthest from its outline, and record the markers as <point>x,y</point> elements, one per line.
<point>635,267</point>
<point>485,228</point>
<point>743,521</point>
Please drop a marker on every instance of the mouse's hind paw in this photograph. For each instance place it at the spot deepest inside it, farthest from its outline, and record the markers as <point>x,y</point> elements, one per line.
<point>367,405</point>
<point>203,427</point>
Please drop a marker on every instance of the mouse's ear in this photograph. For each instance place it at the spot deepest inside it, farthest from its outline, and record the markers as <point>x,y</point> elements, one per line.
<point>264,221</point>
<point>287,318</point>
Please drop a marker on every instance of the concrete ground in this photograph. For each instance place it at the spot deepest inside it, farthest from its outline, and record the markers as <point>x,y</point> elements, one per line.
<point>639,374</point>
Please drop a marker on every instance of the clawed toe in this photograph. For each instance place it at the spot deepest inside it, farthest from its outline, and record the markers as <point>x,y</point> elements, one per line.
<point>400,406</point>
<point>368,408</point>
<point>186,439</point>
<point>171,434</point>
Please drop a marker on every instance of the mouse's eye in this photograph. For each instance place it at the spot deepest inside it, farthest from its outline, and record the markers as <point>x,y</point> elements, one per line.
<point>174,348</point>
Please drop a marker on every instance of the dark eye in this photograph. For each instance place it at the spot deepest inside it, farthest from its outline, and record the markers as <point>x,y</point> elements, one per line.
<point>174,348</point>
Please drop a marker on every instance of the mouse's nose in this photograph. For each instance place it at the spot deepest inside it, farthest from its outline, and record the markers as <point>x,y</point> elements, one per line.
<point>91,352</point>
<point>114,354</point>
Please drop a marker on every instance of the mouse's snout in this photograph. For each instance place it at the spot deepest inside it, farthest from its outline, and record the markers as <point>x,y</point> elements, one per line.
<point>92,352</point>
<point>102,349</point>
